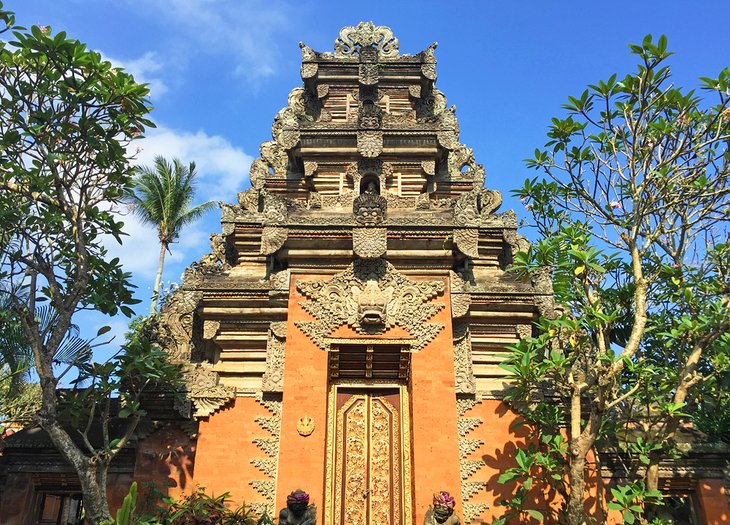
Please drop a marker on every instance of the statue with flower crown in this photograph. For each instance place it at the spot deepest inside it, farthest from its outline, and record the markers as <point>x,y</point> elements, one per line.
<point>298,511</point>
<point>442,511</point>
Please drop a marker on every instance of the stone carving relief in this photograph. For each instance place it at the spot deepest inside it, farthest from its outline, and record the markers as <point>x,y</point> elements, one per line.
<point>473,510</point>
<point>370,208</point>
<point>368,74</point>
<point>215,262</point>
<point>271,424</point>
<point>309,70</point>
<point>323,90</point>
<point>467,241</point>
<point>517,242</point>
<point>310,168</point>
<point>467,446</point>
<point>369,116</point>
<point>249,200</point>
<point>428,68</point>
<point>448,139</point>
<point>471,207</point>
<point>280,280</point>
<point>308,54</point>
<point>429,167</point>
<point>370,143</point>
<point>366,34</point>
<point>273,378</point>
<point>175,328</point>
<point>275,210</point>
<point>466,210</point>
<point>273,238</point>
<point>369,243</point>
<point>430,105</point>
<point>210,329</point>
<point>309,57</point>
<point>460,296</point>
<point>275,156</point>
<point>343,201</point>
<point>523,331</point>
<point>371,297</point>
<point>203,389</point>
<point>463,370</point>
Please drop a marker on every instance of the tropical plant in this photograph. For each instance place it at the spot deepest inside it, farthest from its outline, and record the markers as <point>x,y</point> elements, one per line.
<point>632,223</point>
<point>162,196</point>
<point>67,119</point>
<point>20,400</point>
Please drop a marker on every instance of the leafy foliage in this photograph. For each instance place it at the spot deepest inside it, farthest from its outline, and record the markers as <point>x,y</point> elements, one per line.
<point>67,119</point>
<point>197,508</point>
<point>162,197</point>
<point>632,221</point>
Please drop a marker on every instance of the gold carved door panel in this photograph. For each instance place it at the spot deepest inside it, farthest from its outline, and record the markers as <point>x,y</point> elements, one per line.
<point>369,468</point>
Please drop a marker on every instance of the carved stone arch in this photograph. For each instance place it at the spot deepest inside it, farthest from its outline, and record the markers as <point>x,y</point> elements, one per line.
<point>366,179</point>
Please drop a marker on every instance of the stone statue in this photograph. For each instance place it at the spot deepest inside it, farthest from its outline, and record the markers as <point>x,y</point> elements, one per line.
<point>369,208</point>
<point>442,512</point>
<point>298,511</point>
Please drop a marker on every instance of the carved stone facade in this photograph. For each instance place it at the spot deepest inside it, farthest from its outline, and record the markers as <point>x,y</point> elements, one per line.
<point>366,205</point>
<point>366,261</point>
<point>370,296</point>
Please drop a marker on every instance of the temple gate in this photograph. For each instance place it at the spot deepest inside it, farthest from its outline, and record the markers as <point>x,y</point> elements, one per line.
<point>352,316</point>
<point>344,335</point>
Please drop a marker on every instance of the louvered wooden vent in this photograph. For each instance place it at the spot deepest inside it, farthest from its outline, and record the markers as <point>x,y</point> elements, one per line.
<point>369,361</point>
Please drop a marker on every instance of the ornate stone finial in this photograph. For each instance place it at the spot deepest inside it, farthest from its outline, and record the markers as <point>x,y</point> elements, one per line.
<point>298,511</point>
<point>366,34</point>
<point>442,512</point>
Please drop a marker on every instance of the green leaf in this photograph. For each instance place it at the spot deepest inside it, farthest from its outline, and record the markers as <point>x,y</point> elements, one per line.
<point>536,514</point>
<point>103,330</point>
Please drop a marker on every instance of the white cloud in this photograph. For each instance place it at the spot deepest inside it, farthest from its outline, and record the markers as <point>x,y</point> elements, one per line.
<point>144,70</point>
<point>222,168</point>
<point>246,30</point>
<point>222,173</point>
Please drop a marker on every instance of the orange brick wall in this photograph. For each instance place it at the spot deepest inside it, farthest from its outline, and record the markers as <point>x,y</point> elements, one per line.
<point>225,447</point>
<point>165,459</point>
<point>433,417</point>
<point>302,459</point>
<point>713,502</point>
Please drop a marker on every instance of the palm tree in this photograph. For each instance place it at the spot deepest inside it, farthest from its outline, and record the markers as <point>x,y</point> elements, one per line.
<point>162,196</point>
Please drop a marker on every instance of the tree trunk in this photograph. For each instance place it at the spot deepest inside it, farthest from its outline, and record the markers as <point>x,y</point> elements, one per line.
<point>94,495</point>
<point>158,279</point>
<point>96,505</point>
<point>576,478</point>
<point>651,480</point>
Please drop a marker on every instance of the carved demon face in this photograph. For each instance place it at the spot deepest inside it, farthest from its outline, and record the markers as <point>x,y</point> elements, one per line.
<point>369,208</point>
<point>372,303</point>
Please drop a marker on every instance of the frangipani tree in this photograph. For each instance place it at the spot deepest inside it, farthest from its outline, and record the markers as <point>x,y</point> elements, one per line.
<point>631,212</point>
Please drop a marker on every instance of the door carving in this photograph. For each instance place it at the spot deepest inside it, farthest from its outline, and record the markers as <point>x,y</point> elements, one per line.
<point>369,472</point>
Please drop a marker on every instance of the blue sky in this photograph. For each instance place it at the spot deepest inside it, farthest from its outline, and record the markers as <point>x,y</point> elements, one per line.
<point>219,70</point>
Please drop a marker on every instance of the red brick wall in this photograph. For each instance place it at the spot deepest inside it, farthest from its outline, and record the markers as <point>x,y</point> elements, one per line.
<point>225,447</point>
<point>165,459</point>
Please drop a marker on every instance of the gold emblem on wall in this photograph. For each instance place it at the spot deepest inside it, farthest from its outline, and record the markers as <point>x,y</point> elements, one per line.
<point>305,426</point>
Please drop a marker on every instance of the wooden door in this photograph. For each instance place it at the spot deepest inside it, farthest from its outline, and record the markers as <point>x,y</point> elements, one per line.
<point>370,467</point>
